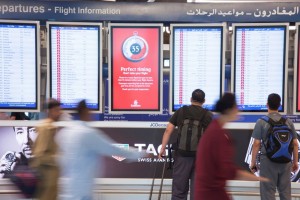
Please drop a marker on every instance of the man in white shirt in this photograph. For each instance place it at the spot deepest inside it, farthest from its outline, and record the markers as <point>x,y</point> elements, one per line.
<point>82,148</point>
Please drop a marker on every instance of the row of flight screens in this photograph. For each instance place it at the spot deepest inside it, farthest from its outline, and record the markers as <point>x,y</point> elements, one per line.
<point>259,65</point>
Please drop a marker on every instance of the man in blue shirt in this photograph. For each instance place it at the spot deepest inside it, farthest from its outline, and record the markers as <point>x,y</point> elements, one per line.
<point>81,148</point>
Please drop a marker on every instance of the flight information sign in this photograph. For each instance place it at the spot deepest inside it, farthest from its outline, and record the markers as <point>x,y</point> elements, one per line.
<point>19,65</point>
<point>75,63</point>
<point>297,71</point>
<point>259,65</point>
<point>197,61</point>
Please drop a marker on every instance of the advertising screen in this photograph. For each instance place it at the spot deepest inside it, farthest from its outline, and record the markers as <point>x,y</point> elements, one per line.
<point>19,65</point>
<point>75,63</point>
<point>260,56</point>
<point>196,63</point>
<point>135,59</point>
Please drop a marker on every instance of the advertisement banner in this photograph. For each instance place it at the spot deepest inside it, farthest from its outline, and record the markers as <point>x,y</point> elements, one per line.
<point>135,68</point>
<point>16,145</point>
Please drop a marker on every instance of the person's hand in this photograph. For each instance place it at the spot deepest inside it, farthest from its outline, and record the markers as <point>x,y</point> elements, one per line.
<point>253,168</point>
<point>263,179</point>
<point>150,155</point>
<point>162,152</point>
<point>295,166</point>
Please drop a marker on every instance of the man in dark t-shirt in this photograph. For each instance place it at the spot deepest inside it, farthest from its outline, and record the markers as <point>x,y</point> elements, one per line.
<point>184,166</point>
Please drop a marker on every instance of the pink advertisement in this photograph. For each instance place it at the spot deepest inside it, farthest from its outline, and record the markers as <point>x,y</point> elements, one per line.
<point>135,71</point>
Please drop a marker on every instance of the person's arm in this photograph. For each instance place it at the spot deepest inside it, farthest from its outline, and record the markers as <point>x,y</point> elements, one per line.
<point>295,144</point>
<point>255,149</point>
<point>166,137</point>
<point>99,142</point>
<point>247,176</point>
<point>295,155</point>
<point>257,136</point>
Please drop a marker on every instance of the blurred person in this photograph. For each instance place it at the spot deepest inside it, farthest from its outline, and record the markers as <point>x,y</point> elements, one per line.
<point>81,147</point>
<point>45,152</point>
<point>184,162</point>
<point>215,155</point>
<point>278,173</point>
<point>25,137</point>
<point>19,116</point>
<point>4,116</point>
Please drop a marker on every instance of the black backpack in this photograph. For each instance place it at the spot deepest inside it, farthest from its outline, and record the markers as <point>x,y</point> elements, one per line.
<point>189,133</point>
<point>279,143</point>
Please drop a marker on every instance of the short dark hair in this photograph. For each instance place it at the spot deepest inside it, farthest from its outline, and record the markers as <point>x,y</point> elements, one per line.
<point>51,103</point>
<point>226,102</point>
<point>82,108</point>
<point>274,101</point>
<point>198,96</point>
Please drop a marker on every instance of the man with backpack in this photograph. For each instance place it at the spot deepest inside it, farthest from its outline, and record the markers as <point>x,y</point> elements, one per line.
<point>191,122</point>
<point>276,137</point>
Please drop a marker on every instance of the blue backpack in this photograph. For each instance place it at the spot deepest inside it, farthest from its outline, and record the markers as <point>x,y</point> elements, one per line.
<point>279,144</point>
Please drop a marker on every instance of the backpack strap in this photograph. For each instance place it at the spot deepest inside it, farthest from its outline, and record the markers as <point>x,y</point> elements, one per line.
<point>265,118</point>
<point>185,110</point>
<point>272,124</point>
<point>202,118</point>
<point>186,113</point>
<point>268,120</point>
<point>204,115</point>
<point>283,120</point>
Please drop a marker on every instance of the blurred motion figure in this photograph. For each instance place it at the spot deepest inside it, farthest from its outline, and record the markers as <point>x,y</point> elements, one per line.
<point>81,148</point>
<point>45,153</point>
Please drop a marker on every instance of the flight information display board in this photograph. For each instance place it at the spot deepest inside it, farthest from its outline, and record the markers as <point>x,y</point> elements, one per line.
<point>75,63</point>
<point>19,65</point>
<point>197,62</point>
<point>297,71</point>
<point>135,59</point>
<point>260,56</point>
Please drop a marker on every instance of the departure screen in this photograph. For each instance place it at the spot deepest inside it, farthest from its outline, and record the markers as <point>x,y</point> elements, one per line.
<point>197,64</point>
<point>75,64</point>
<point>18,66</point>
<point>259,66</point>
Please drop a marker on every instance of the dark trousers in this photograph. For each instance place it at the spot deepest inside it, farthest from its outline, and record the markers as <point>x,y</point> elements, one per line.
<point>183,172</point>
